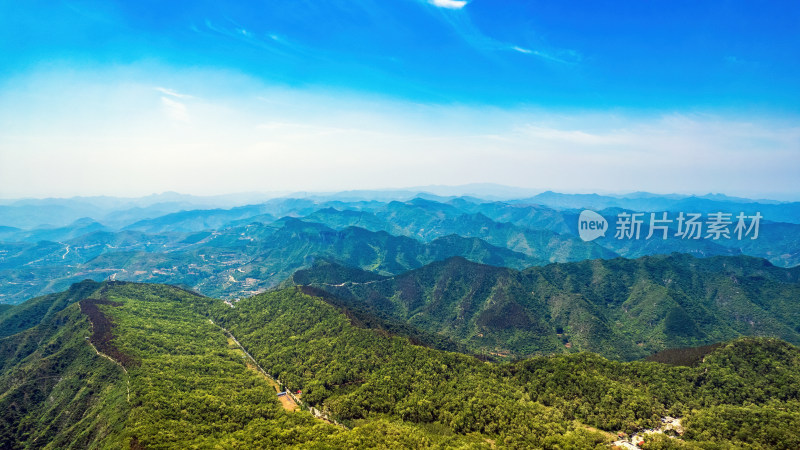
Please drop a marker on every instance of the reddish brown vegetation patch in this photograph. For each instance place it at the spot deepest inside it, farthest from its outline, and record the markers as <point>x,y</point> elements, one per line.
<point>101,330</point>
<point>691,356</point>
<point>312,291</point>
<point>135,444</point>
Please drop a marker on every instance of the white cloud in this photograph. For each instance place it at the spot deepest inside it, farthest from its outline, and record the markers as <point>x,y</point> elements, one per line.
<point>172,93</point>
<point>448,4</point>
<point>479,40</point>
<point>559,56</point>
<point>261,138</point>
<point>577,137</point>
<point>175,109</point>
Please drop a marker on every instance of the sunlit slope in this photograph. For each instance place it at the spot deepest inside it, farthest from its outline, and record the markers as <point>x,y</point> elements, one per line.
<point>150,366</point>
<point>360,375</point>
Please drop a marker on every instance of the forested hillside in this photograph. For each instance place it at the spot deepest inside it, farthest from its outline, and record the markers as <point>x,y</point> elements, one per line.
<point>179,380</point>
<point>619,308</point>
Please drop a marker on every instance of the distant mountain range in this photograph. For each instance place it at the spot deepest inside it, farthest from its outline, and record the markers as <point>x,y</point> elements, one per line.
<point>235,262</point>
<point>245,249</point>
<point>119,212</point>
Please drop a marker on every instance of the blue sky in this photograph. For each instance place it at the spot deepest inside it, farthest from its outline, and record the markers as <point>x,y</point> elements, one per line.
<point>219,97</point>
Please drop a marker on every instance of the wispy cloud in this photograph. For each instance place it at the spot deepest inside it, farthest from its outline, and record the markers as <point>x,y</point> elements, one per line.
<point>576,137</point>
<point>265,138</point>
<point>274,43</point>
<point>448,4</point>
<point>564,56</point>
<point>482,42</point>
<point>175,109</point>
<point>172,93</point>
<point>738,62</point>
<point>671,136</point>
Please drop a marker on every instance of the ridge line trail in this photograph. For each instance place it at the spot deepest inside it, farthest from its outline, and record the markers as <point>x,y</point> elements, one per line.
<point>127,375</point>
<point>127,378</point>
<point>100,323</point>
<point>352,283</point>
<point>275,383</point>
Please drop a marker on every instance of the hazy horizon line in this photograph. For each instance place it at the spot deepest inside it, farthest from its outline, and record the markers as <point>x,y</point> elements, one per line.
<point>432,189</point>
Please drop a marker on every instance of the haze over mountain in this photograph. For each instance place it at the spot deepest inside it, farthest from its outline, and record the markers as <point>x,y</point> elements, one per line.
<point>233,262</point>
<point>118,212</point>
<point>236,252</point>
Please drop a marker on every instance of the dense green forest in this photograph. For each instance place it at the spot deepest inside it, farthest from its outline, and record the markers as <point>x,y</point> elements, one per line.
<point>620,308</point>
<point>185,383</point>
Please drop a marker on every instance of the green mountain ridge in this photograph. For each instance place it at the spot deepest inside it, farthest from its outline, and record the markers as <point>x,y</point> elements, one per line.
<point>37,310</point>
<point>622,309</point>
<point>194,387</point>
<point>233,263</point>
<point>210,250</point>
<point>552,234</point>
<point>429,220</point>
